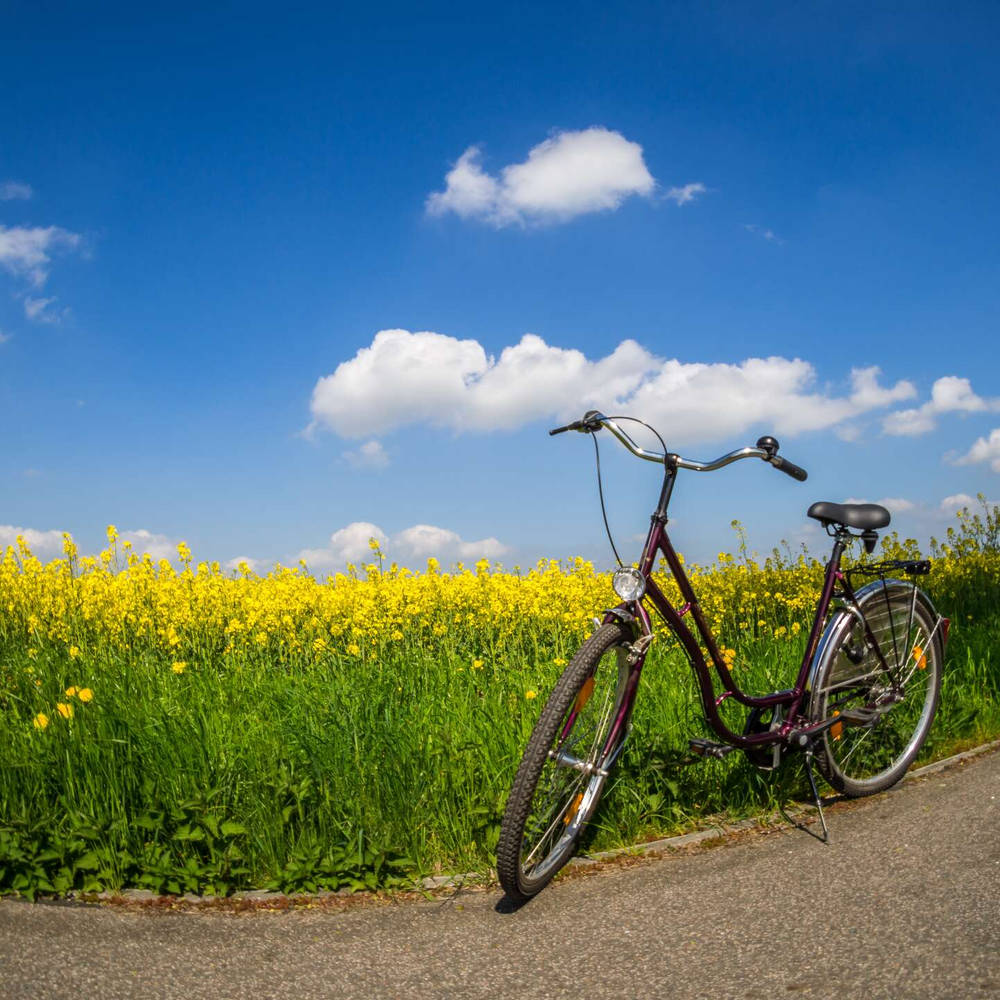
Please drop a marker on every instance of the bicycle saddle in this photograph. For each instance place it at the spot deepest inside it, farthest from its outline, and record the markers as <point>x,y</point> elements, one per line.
<point>863,516</point>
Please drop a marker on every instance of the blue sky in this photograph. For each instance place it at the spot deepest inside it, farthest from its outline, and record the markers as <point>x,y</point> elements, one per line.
<point>208,213</point>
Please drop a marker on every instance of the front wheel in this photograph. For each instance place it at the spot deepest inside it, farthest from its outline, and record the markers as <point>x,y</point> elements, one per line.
<point>564,767</point>
<point>886,714</point>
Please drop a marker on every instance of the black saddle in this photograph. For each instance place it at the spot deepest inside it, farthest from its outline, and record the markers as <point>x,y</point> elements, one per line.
<point>863,516</point>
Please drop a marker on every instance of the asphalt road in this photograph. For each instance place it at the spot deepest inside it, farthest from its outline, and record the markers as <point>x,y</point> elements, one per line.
<point>905,903</point>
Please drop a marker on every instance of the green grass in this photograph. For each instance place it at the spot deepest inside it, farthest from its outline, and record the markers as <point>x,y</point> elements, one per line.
<point>246,774</point>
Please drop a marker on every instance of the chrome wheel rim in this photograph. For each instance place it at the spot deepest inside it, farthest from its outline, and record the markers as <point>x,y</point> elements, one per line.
<point>574,775</point>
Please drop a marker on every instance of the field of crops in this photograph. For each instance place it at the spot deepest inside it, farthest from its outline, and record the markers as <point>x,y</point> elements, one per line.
<point>200,731</point>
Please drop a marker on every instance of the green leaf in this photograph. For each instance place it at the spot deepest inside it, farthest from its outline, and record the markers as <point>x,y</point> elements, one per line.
<point>87,862</point>
<point>231,829</point>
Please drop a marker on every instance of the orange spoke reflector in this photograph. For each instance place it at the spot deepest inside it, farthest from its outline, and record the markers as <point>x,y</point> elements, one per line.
<point>573,809</point>
<point>918,654</point>
<point>837,729</point>
<point>584,696</point>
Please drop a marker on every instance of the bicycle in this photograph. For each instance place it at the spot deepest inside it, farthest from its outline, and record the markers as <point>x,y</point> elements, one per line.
<point>860,708</point>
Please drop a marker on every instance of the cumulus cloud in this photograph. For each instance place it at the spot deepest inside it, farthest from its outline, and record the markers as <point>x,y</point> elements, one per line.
<point>570,174</point>
<point>985,449</point>
<point>428,540</point>
<point>895,505</point>
<point>348,545</point>
<point>43,544</point>
<point>26,251</point>
<point>953,504</point>
<point>370,455</point>
<point>446,382</point>
<point>351,544</point>
<point>251,564</point>
<point>147,543</point>
<point>949,394</point>
<point>15,190</point>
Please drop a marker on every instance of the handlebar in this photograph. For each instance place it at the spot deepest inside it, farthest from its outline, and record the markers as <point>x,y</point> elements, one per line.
<point>766,449</point>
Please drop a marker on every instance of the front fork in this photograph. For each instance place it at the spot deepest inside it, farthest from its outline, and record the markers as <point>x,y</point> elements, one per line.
<point>634,659</point>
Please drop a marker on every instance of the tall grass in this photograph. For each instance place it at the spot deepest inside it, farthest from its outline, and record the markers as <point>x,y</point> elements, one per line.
<point>310,769</point>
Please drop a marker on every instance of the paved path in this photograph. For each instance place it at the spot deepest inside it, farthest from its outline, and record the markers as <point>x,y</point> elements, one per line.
<point>905,903</point>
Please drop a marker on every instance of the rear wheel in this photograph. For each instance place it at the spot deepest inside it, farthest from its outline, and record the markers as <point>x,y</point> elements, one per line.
<point>564,768</point>
<point>886,714</point>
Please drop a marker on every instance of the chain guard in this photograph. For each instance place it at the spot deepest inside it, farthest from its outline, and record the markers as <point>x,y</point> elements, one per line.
<point>763,720</point>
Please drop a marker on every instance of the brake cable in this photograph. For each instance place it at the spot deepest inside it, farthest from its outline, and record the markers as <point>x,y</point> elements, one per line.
<point>600,486</point>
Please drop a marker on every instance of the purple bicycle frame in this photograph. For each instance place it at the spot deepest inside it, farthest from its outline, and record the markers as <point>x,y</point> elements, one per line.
<point>658,542</point>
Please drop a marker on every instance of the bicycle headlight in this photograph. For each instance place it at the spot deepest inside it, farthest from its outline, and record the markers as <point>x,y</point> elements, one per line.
<point>629,584</point>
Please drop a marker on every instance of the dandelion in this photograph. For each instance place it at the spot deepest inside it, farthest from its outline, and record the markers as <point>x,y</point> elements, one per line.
<point>85,694</point>
<point>70,691</point>
<point>530,694</point>
<point>179,666</point>
<point>66,711</point>
<point>41,720</point>
<point>477,664</point>
<point>559,661</point>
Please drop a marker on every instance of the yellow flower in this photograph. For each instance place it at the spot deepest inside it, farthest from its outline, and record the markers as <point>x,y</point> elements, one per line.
<point>354,649</point>
<point>373,545</point>
<point>32,653</point>
<point>70,691</point>
<point>559,661</point>
<point>397,635</point>
<point>477,664</point>
<point>184,552</point>
<point>85,694</point>
<point>179,666</point>
<point>530,694</point>
<point>41,720</point>
<point>74,652</point>
<point>66,711</point>
<point>112,534</point>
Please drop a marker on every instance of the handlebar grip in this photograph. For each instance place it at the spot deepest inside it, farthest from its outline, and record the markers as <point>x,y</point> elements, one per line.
<point>789,468</point>
<point>575,426</point>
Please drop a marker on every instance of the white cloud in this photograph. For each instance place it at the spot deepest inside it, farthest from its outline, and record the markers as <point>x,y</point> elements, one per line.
<point>897,505</point>
<point>251,564</point>
<point>949,394</point>
<point>25,251</point>
<point>14,190</point>
<point>146,543</point>
<point>985,449</point>
<point>765,234</point>
<point>427,540</point>
<point>39,311</point>
<point>370,455</point>
<point>350,544</point>
<point>405,378</point>
<point>31,473</point>
<point>4,337</point>
<point>685,194</point>
<point>43,544</point>
<point>568,175</point>
<point>953,504</point>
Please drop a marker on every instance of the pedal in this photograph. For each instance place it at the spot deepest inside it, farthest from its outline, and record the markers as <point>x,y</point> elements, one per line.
<point>708,748</point>
<point>860,716</point>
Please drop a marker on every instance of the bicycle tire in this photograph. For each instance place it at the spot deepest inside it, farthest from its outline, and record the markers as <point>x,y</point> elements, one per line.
<point>555,726</point>
<point>859,758</point>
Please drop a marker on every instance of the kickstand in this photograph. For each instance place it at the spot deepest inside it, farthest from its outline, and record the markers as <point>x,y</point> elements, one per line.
<point>815,791</point>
